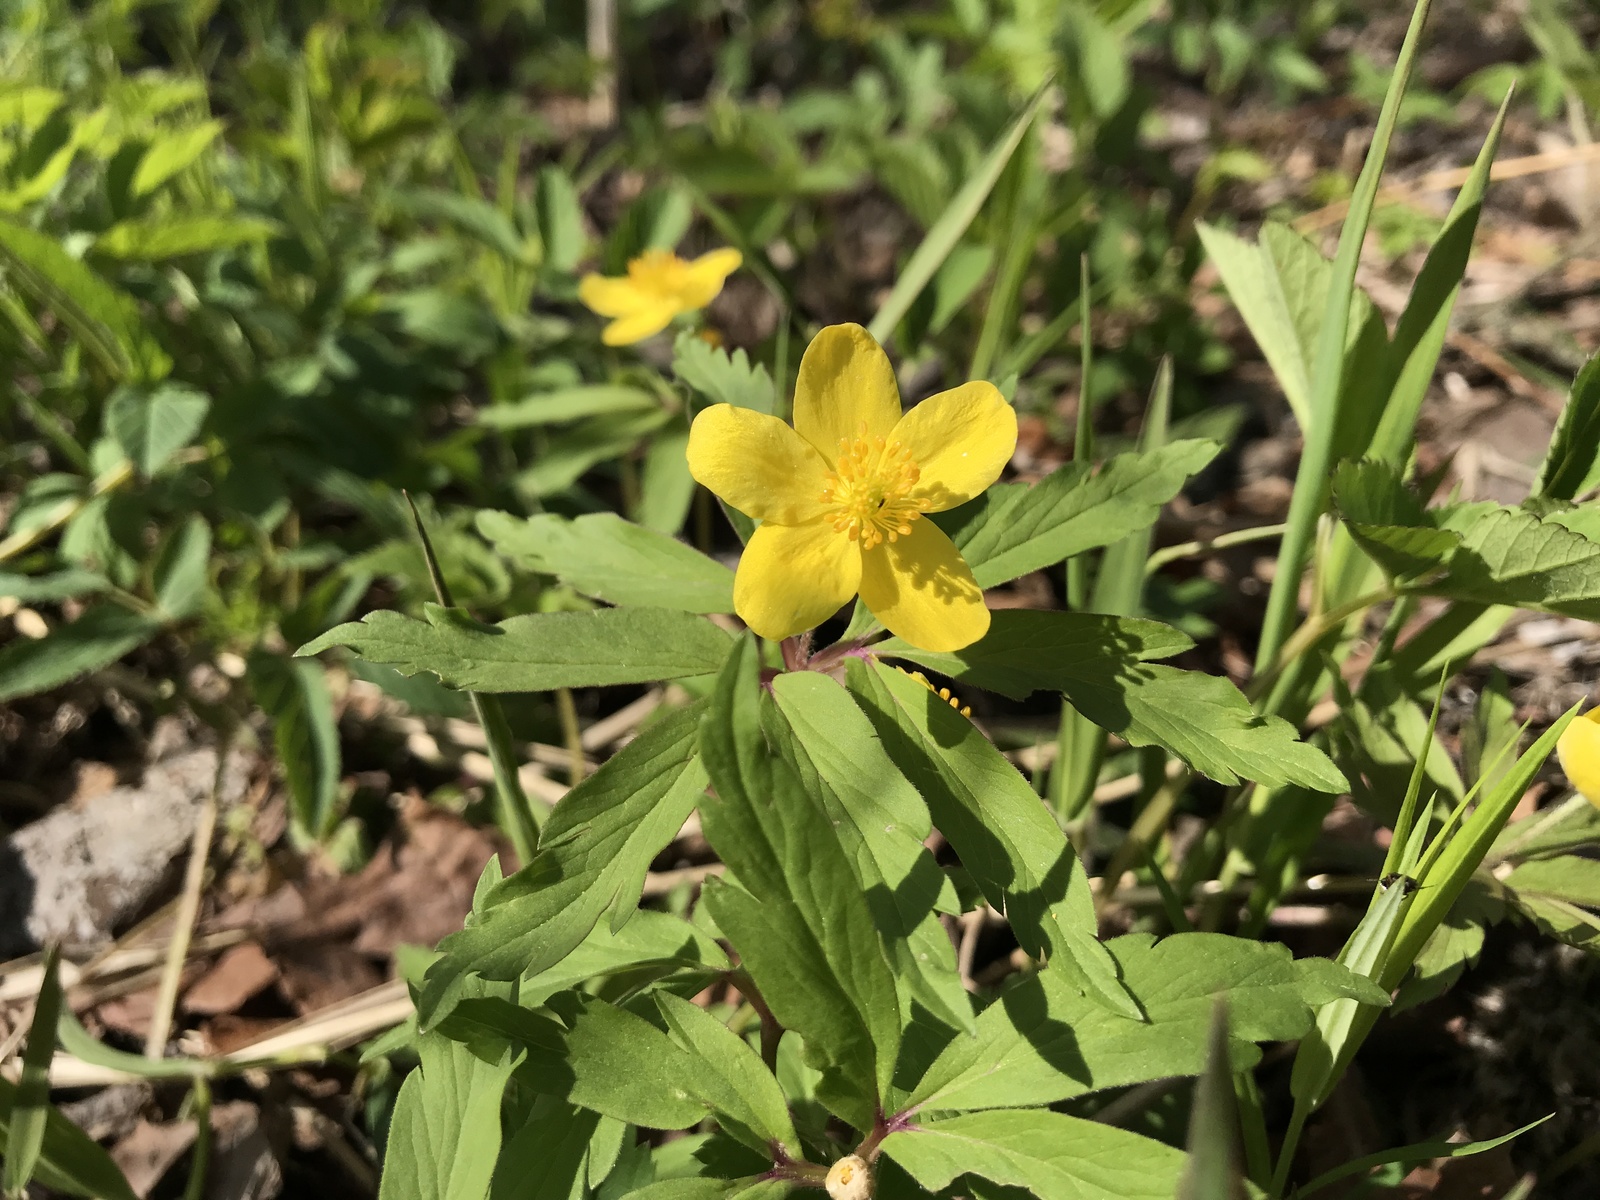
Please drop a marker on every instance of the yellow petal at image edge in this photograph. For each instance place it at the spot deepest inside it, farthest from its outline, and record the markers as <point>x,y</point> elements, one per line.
<point>757,464</point>
<point>705,277</point>
<point>794,577</point>
<point>636,326</point>
<point>610,297</point>
<point>923,591</point>
<point>1579,752</point>
<point>961,439</point>
<point>845,379</point>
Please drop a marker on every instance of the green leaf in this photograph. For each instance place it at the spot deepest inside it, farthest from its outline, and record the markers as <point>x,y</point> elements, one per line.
<point>603,556</point>
<point>170,154</point>
<point>750,1105</point>
<point>881,823</point>
<point>1419,335</point>
<point>294,695</point>
<point>107,321</point>
<point>946,233</point>
<point>1575,880</point>
<point>1095,662</point>
<point>151,426</point>
<point>1512,557</point>
<point>568,404</point>
<point>97,639</point>
<point>29,1110</point>
<point>66,584</point>
<point>180,575</point>
<point>797,915</point>
<point>1572,464</point>
<point>650,944</point>
<point>560,219</point>
<point>69,1161</point>
<point>1042,1041</point>
<point>152,239</point>
<point>536,652</point>
<point>545,1158</point>
<point>594,852</point>
<point>1213,1171</point>
<point>1007,840</point>
<point>1012,529</point>
<point>445,1133</point>
<point>1052,1155</point>
<point>1027,651</point>
<point>1280,286</point>
<point>1417,1152</point>
<point>571,453</point>
<point>721,377</point>
<point>602,1058</point>
<point>467,214</point>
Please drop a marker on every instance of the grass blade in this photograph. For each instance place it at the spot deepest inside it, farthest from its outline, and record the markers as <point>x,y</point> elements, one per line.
<point>953,222</point>
<point>1311,482</point>
<point>32,1106</point>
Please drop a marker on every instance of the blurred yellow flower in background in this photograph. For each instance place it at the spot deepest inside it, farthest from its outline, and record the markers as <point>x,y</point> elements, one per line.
<point>658,287</point>
<point>841,496</point>
<point>1579,752</point>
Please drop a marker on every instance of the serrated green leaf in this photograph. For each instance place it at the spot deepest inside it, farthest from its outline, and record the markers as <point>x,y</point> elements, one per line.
<point>1027,651</point>
<point>153,425</point>
<point>445,1133</point>
<point>107,321</point>
<point>180,574</point>
<point>1052,1155</point>
<point>648,945</point>
<point>1014,849</point>
<point>96,639</point>
<point>536,652</point>
<point>751,1105</point>
<point>66,584</point>
<point>1567,877</point>
<point>594,852</point>
<point>721,377</point>
<point>1042,1041</point>
<point>1012,529</point>
<point>797,916</point>
<point>467,214</point>
<point>152,239</point>
<point>170,154</point>
<point>881,823</point>
<point>545,1158</point>
<point>1572,464</point>
<point>603,556</point>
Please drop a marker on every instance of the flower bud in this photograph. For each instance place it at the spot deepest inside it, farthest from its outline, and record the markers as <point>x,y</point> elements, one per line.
<point>850,1179</point>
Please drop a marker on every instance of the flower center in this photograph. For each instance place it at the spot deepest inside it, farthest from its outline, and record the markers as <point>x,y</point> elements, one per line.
<point>658,272</point>
<point>868,493</point>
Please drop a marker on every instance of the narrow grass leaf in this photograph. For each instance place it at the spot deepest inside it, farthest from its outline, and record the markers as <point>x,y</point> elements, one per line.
<point>948,230</point>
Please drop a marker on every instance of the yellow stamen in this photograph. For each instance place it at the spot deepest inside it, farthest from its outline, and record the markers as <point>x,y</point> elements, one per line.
<point>868,492</point>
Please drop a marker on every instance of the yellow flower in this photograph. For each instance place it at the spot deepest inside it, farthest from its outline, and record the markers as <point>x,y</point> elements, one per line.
<point>658,286</point>
<point>1579,752</point>
<point>841,496</point>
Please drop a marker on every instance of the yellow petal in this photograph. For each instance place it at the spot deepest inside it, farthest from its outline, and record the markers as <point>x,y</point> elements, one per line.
<point>845,380</point>
<point>1579,752</point>
<point>794,577</point>
<point>609,296</point>
<point>961,439</point>
<point>923,591</point>
<point>757,464</point>
<point>704,277</point>
<point>636,326</point>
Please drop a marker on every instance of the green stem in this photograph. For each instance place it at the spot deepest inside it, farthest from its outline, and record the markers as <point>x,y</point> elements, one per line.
<point>200,1096</point>
<point>1222,541</point>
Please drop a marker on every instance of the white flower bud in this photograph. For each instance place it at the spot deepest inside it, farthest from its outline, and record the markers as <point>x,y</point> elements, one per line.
<point>850,1179</point>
